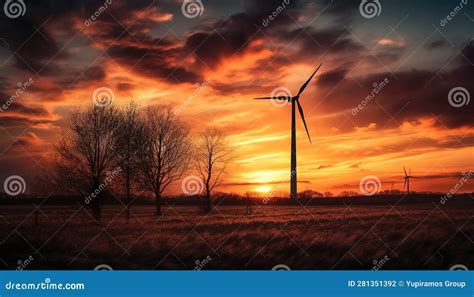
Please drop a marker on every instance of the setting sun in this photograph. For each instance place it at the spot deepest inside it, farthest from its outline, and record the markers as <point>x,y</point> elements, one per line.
<point>263,189</point>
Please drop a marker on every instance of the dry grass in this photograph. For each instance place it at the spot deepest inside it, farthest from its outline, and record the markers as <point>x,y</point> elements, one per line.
<point>324,237</point>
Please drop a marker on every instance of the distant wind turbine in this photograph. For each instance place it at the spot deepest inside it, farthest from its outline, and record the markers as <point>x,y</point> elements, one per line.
<point>407,179</point>
<point>293,100</point>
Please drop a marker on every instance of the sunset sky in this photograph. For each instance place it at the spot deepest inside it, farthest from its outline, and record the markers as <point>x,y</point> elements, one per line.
<point>211,65</point>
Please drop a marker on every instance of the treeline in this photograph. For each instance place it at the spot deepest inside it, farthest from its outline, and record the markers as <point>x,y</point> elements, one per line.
<point>134,151</point>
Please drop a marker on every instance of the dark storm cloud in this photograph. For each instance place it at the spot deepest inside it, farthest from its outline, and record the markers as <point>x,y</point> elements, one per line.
<point>431,97</point>
<point>343,10</point>
<point>262,9</point>
<point>332,77</point>
<point>10,102</point>
<point>151,62</point>
<point>241,87</point>
<point>95,73</point>
<point>409,95</point>
<point>21,109</point>
<point>213,41</point>
<point>232,35</point>
<point>466,58</point>
<point>161,58</point>
<point>27,140</point>
<point>439,43</point>
<point>69,78</point>
<point>34,46</point>
<point>48,93</point>
<point>31,43</point>
<point>15,122</point>
<point>125,86</point>
<point>317,41</point>
<point>30,49</point>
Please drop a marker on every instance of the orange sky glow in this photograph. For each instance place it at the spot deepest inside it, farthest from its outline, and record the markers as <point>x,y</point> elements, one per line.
<point>398,127</point>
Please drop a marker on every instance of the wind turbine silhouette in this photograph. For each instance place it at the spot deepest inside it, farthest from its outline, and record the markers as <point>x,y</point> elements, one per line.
<point>407,179</point>
<point>293,100</point>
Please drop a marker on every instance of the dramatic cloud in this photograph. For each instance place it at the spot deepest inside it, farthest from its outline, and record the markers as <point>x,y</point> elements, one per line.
<point>380,98</point>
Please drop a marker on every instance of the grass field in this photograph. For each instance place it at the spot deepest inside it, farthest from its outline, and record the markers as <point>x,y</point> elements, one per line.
<point>421,236</point>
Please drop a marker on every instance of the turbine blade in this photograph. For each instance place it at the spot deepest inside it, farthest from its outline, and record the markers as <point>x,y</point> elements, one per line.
<point>302,117</point>
<point>406,174</point>
<point>307,82</point>
<point>272,98</point>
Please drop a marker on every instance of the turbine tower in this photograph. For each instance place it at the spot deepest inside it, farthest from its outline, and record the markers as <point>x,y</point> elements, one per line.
<point>407,179</point>
<point>294,100</point>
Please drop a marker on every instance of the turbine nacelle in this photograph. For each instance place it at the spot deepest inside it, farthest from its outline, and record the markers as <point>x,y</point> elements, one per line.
<point>295,99</point>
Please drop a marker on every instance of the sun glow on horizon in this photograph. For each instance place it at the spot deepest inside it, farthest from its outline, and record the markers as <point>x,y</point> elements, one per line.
<point>263,189</point>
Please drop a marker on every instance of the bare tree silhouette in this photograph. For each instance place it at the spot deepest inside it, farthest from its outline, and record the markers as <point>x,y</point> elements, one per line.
<point>212,153</point>
<point>166,151</point>
<point>127,147</point>
<point>86,153</point>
